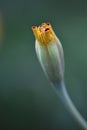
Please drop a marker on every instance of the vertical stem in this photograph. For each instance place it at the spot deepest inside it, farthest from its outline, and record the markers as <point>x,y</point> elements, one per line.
<point>62,93</point>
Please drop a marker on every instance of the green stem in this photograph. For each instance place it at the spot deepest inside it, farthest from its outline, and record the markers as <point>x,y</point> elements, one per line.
<point>62,93</point>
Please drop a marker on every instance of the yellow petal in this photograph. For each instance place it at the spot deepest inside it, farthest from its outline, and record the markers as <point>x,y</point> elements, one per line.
<point>44,33</point>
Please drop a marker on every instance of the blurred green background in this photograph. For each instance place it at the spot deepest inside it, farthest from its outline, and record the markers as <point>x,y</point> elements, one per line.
<point>27,100</point>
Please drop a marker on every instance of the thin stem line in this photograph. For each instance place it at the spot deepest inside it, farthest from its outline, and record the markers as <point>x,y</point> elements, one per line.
<point>63,94</point>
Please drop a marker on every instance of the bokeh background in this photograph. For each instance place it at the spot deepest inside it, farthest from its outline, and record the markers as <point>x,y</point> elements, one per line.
<point>27,100</point>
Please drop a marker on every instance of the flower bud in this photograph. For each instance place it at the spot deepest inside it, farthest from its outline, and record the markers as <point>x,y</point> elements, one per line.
<point>49,52</point>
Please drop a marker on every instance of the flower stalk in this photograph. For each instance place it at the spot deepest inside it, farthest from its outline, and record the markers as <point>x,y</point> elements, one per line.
<point>63,95</point>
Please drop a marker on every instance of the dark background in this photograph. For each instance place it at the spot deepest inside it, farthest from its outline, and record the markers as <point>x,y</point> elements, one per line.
<point>27,100</point>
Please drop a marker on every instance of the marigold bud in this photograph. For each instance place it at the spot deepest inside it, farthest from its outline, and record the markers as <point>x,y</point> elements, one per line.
<point>49,52</point>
